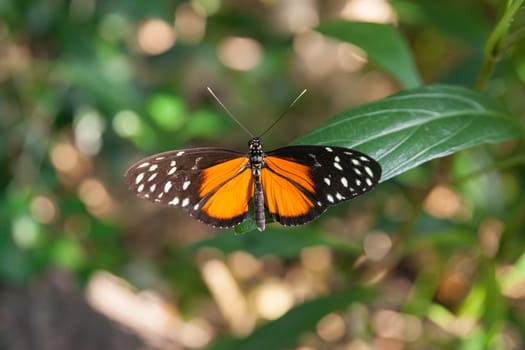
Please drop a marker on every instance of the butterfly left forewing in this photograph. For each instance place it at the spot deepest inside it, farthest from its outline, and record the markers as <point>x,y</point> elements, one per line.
<point>323,176</point>
<point>188,179</point>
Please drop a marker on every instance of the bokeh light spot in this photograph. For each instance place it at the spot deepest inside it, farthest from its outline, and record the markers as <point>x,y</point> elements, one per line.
<point>89,126</point>
<point>154,36</point>
<point>377,245</point>
<point>332,327</point>
<point>298,16</point>
<point>379,11</point>
<point>392,324</point>
<point>190,24</point>
<point>64,157</point>
<point>43,209</point>
<point>240,53</point>
<point>126,123</point>
<point>68,253</point>
<point>317,258</point>
<point>93,193</point>
<point>244,265</point>
<point>273,299</point>
<point>442,202</point>
<point>168,112</point>
<point>24,231</point>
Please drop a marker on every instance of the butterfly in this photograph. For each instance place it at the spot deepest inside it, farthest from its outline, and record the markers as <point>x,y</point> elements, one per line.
<point>295,184</point>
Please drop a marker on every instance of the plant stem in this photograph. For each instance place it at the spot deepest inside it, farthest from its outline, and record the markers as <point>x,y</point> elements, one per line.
<point>496,44</point>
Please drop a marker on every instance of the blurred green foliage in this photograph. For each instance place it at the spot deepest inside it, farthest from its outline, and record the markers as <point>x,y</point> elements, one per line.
<point>88,87</point>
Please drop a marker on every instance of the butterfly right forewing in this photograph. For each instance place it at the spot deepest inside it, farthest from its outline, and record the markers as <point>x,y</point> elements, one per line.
<point>324,175</point>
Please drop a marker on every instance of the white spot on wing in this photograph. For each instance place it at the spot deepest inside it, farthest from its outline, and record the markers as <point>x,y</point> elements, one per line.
<point>358,182</point>
<point>339,196</point>
<point>337,159</point>
<point>363,158</point>
<point>369,171</point>
<point>174,201</point>
<point>145,164</point>
<point>328,149</point>
<point>152,188</point>
<point>172,170</point>
<point>357,171</point>
<point>327,181</point>
<point>167,186</point>
<point>196,206</point>
<point>185,185</point>
<point>154,175</point>
<point>356,161</point>
<point>319,203</point>
<point>139,178</point>
<point>180,153</point>
<point>330,198</point>
<point>185,202</point>
<point>368,182</point>
<point>172,163</point>
<point>160,158</point>
<point>344,181</point>
<point>195,166</point>
<point>338,166</point>
<point>140,188</point>
<point>153,167</point>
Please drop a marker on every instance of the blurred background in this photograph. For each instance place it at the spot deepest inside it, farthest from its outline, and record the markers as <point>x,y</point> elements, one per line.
<point>88,87</point>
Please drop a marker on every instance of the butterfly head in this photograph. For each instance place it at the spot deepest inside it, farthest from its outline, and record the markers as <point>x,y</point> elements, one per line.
<point>255,144</point>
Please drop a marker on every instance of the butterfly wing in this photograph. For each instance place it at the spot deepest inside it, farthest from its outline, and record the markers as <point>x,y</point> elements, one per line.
<point>300,182</point>
<point>214,185</point>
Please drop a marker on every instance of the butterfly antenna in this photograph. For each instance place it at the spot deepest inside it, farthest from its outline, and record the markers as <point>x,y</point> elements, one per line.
<point>284,113</point>
<point>228,112</point>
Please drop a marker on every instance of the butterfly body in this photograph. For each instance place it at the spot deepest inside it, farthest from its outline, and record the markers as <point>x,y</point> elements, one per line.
<point>295,184</point>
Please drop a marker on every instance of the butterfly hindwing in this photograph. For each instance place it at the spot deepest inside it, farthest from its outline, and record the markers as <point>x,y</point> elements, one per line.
<point>300,182</point>
<point>199,180</point>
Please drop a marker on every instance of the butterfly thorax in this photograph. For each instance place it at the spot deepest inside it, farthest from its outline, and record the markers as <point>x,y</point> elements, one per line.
<point>256,155</point>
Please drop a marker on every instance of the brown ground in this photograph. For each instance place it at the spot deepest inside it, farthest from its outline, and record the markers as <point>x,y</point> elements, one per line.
<point>52,314</point>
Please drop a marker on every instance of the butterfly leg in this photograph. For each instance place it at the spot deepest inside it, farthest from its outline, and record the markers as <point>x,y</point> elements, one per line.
<point>258,202</point>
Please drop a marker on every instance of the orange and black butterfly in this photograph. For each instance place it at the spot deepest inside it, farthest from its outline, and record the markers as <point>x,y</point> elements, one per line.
<point>295,184</point>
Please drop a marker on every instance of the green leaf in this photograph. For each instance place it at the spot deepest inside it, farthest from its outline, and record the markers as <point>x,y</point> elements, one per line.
<point>275,242</point>
<point>383,44</point>
<point>414,126</point>
<point>285,331</point>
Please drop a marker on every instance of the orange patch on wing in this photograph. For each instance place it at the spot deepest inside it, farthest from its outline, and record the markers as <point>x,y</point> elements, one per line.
<point>232,198</point>
<point>214,176</point>
<point>282,197</point>
<point>292,170</point>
